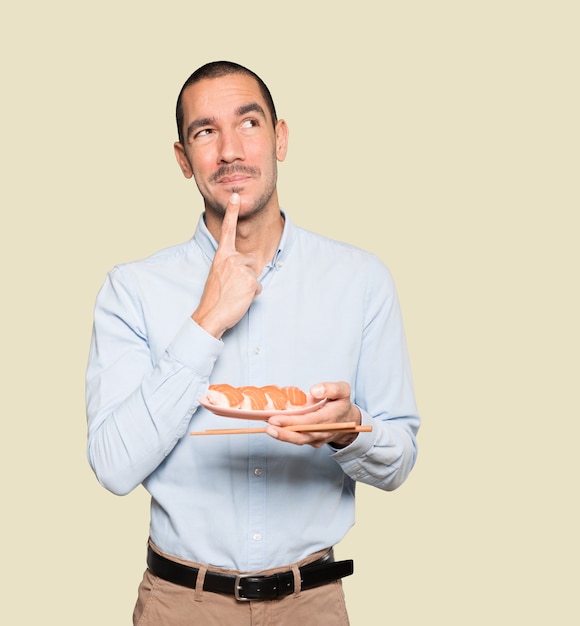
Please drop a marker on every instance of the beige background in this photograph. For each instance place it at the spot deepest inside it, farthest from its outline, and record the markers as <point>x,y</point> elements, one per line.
<point>444,136</point>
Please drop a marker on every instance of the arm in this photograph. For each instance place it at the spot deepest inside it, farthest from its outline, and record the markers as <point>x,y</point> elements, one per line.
<point>381,395</point>
<point>384,392</point>
<point>137,411</point>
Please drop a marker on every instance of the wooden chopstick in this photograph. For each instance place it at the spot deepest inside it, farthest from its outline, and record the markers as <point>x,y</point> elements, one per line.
<point>349,427</point>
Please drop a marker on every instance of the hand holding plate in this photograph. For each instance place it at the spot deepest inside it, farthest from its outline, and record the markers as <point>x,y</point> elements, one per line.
<point>338,408</point>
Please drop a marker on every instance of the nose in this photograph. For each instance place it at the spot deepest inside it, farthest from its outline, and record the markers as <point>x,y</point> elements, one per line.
<point>231,148</point>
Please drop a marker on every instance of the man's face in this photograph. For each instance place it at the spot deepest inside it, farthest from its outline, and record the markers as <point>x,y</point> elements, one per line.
<point>231,143</point>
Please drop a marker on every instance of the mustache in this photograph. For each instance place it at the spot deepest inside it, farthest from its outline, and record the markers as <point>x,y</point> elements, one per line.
<point>235,168</point>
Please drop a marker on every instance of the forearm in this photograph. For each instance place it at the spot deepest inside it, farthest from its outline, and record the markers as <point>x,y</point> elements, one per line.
<point>139,405</point>
<point>384,392</point>
<point>129,440</point>
<point>384,457</point>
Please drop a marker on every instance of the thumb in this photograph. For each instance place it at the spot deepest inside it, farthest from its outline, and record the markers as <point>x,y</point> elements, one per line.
<point>318,391</point>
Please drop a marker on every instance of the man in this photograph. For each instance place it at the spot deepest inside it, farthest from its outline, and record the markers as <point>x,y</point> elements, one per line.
<point>242,526</point>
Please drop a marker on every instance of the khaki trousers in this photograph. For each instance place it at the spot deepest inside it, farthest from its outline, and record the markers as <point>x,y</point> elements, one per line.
<point>161,603</point>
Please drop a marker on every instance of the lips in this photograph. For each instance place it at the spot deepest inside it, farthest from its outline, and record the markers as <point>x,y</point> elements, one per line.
<point>229,174</point>
<point>232,179</point>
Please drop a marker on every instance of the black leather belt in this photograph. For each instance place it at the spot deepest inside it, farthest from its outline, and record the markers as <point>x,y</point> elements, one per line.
<point>251,586</point>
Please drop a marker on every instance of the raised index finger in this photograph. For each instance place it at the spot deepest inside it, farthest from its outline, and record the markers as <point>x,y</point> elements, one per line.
<point>229,224</point>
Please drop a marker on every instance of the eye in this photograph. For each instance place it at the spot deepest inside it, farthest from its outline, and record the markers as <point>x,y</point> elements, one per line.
<point>250,123</point>
<point>204,132</point>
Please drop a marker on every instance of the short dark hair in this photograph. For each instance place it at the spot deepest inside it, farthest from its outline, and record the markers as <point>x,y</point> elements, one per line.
<point>217,69</point>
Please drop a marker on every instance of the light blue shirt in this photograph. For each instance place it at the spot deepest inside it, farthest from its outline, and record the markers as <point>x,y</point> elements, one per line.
<point>327,312</point>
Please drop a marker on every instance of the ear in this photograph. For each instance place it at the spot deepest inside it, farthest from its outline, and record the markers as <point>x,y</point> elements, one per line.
<point>182,159</point>
<point>281,140</point>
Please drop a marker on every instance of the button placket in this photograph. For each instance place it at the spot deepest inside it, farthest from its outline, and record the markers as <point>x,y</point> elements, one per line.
<point>257,446</point>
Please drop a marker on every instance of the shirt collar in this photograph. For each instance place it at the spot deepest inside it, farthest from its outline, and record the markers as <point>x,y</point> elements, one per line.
<point>208,244</point>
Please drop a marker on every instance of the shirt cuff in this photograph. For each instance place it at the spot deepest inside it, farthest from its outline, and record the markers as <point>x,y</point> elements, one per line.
<point>361,445</point>
<point>195,348</point>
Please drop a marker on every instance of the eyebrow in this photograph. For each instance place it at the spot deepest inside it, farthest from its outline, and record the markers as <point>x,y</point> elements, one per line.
<point>199,123</point>
<point>251,107</point>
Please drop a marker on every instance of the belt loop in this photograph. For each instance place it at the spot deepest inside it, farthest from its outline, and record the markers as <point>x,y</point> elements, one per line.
<point>199,583</point>
<point>297,581</point>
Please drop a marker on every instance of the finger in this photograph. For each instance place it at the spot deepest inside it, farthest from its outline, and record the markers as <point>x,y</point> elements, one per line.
<point>332,391</point>
<point>315,439</point>
<point>319,416</point>
<point>229,224</point>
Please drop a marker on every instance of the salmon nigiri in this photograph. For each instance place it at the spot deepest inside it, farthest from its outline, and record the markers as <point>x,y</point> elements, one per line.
<point>225,395</point>
<point>277,399</point>
<point>295,395</point>
<point>254,398</point>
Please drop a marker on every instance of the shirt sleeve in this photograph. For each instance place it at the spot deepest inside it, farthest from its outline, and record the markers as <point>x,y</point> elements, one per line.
<point>137,410</point>
<point>384,393</point>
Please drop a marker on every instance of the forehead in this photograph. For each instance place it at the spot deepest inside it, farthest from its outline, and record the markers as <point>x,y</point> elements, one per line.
<point>219,97</point>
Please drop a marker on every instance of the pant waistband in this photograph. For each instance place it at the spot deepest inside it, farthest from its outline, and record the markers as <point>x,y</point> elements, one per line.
<point>251,586</point>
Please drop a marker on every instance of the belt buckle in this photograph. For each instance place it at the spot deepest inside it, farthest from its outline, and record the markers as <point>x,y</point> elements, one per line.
<point>238,587</point>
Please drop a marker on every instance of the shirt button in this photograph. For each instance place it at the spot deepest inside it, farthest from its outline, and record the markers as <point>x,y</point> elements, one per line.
<point>257,537</point>
<point>258,471</point>
<point>257,350</point>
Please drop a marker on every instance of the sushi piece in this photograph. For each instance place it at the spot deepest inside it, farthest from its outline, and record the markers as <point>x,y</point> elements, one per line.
<point>225,395</point>
<point>295,395</point>
<point>277,399</point>
<point>254,398</point>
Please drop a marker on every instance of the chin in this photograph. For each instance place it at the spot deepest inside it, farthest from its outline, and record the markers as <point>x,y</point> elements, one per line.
<point>250,204</point>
